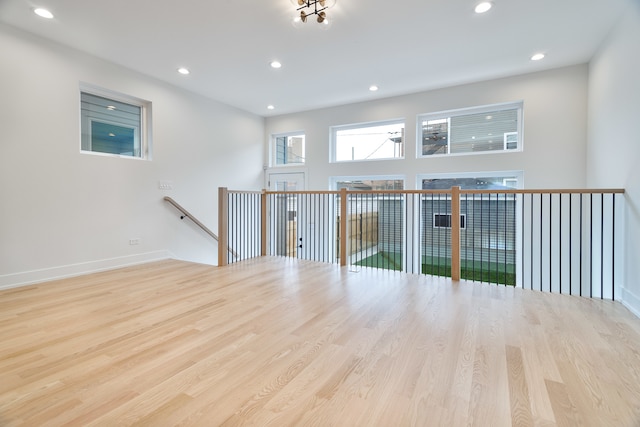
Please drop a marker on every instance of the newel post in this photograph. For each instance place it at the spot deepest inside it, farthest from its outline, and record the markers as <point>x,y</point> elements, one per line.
<point>343,227</point>
<point>455,233</point>
<point>223,222</point>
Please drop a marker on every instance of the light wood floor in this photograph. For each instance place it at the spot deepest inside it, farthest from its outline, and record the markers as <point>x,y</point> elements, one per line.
<point>282,342</point>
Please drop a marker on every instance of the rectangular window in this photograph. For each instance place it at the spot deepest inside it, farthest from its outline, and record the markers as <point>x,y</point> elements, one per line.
<point>288,149</point>
<point>370,184</point>
<point>114,126</point>
<point>466,182</point>
<point>444,220</point>
<point>371,141</point>
<point>469,131</point>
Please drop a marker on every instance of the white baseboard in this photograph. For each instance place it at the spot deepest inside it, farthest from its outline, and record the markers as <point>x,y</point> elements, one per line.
<point>46,274</point>
<point>631,301</point>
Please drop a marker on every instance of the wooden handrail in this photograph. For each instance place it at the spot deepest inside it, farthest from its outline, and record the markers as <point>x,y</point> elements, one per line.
<point>448,191</point>
<point>195,220</point>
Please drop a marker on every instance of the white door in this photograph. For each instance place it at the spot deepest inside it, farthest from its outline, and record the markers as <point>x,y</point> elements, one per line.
<point>286,232</point>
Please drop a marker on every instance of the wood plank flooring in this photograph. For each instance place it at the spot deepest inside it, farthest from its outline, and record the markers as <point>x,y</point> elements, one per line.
<point>281,342</point>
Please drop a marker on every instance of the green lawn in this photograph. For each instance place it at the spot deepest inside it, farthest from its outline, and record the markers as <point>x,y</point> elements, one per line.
<point>438,266</point>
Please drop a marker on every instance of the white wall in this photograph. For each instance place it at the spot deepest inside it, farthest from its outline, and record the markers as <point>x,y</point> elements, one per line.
<point>63,212</point>
<point>555,131</point>
<point>613,155</point>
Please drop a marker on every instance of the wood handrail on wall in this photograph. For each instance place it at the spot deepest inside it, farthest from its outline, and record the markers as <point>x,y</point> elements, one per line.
<point>187,214</point>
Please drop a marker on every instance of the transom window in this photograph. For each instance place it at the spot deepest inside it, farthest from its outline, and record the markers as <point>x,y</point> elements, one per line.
<point>289,149</point>
<point>469,131</point>
<point>471,181</point>
<point>366,184</point>
<point>369,141</point>
<point>115,125</point>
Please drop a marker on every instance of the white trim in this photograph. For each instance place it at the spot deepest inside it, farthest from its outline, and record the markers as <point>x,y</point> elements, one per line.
<point>448,114</point>
<point>631,301</point>
<point>333,130</point>
<point>25,278</point>
<point>480,174</point>
<point>273,152</point>
<point>333,180</point>
<point>145,130</point>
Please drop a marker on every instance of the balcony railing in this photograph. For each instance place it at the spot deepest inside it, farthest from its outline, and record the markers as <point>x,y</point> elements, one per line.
<point>563,241</point>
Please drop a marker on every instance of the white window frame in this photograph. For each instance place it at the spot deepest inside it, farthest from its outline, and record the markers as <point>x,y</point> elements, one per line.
<point>462,216</point>
<point>273,155</point>
<point>334,139</point>
<point>333,181</point>
<point>448,114</point>
<point>142,133</point>
<point>505,175</point>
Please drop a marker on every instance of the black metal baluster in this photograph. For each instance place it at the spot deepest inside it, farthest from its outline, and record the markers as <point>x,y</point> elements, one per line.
<point>550,241</point>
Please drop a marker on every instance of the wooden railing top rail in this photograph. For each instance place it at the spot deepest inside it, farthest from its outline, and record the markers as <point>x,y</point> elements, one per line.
<point>448,191</point>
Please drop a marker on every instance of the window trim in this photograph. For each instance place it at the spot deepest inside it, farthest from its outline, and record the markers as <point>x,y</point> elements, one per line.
<point>273,151</point>
<point>333,180</point>
<point>144,132</point>
<point>333,131</point>
<point>506,174</point>
<point>519,105</point>
<point>463,220</point>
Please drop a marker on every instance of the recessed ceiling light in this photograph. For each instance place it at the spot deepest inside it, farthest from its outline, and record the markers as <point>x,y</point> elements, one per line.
<point>537,57</point>
<point>483,7</point>
<point>43,13</point>
<point>275,64</point>
<point>373,88</point>
<point>270,107</point>
<point>183,71</point>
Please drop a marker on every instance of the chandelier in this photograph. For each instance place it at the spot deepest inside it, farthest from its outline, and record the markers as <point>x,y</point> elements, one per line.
<point>307,8</point>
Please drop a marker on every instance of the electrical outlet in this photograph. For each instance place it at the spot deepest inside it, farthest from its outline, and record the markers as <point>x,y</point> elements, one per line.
<point>135,241</point>
<point>165,185</point>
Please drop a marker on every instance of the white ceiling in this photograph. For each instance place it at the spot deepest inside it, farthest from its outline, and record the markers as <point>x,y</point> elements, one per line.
<point>403,46</point>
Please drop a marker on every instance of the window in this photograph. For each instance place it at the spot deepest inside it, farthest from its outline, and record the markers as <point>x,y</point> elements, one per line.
<point>472,181</point>
<point>288,149</point>
<point>115,125</point>
<point>477,130</point>
<point>444,220</point>
<point>371,141</point>
<point>368,184</point>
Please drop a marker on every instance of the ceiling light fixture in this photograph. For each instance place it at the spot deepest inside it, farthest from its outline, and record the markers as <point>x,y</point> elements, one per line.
<point>483,7</point>
<point>307,8</point>
<point>270,107</point>
<point>183,71</point>
<point>275,64</point>
<point>43,13</point>
<point>537,57</point>
<point>373,88</point>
